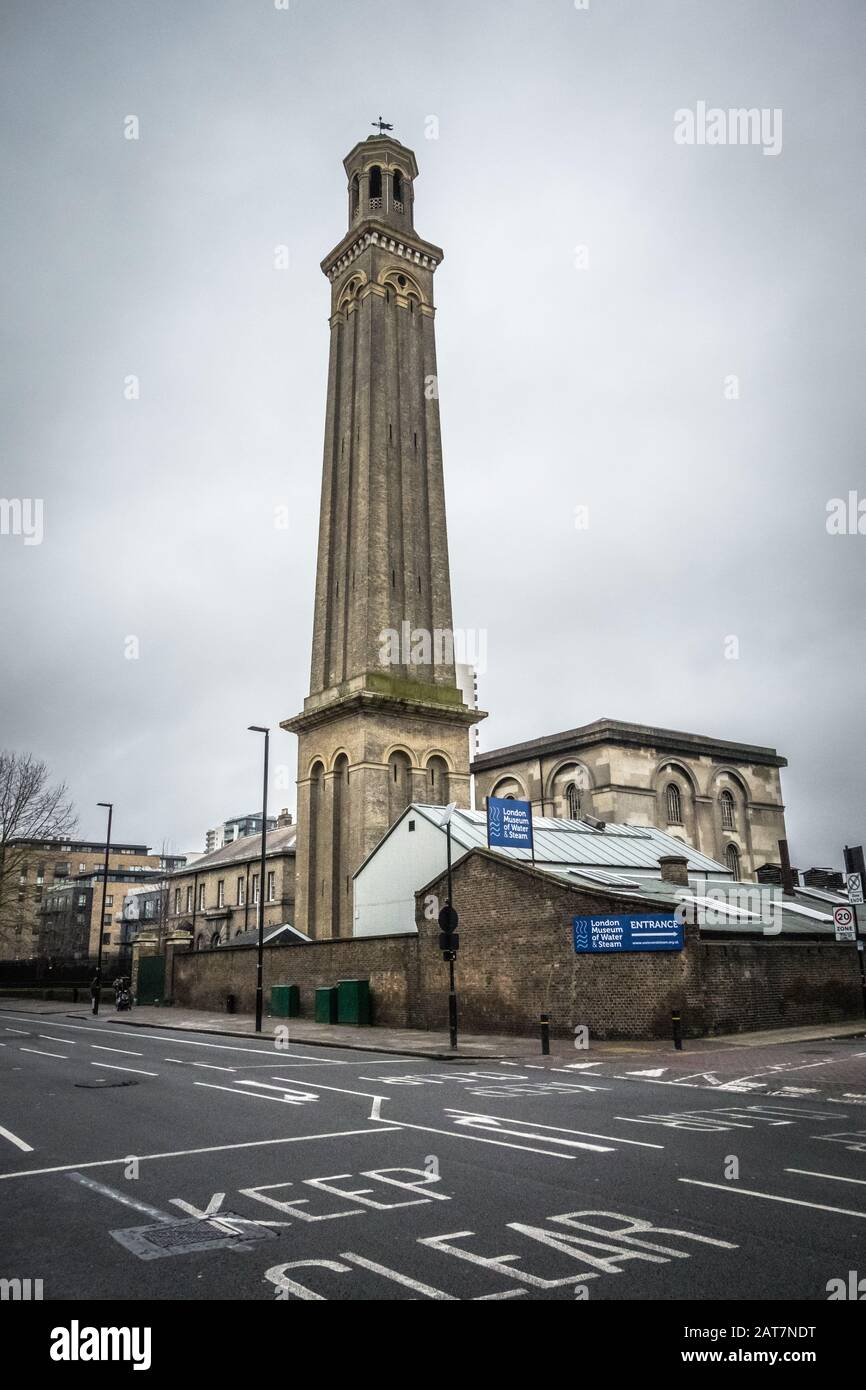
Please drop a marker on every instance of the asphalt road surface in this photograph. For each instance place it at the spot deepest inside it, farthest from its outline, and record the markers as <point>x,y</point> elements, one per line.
<point>155,1164</point>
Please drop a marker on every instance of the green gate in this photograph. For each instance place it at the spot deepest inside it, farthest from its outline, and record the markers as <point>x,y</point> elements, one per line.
<point>151,980</point>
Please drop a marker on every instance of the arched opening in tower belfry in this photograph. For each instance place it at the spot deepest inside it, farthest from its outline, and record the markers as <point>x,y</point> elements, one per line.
<point>375,186</point>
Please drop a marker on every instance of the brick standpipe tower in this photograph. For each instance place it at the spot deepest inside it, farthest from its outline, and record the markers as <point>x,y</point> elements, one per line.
<point>385,722</point>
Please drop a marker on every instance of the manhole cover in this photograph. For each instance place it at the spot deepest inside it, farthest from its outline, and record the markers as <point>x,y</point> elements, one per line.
<point>191,1237</point>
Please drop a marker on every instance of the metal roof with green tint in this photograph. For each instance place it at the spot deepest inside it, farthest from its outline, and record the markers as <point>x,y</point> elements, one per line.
<point>630,847</point>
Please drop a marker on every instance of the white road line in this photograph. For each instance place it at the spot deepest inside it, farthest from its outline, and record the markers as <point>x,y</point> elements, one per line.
<point>476,1139</point>
<point>157,1036</point>
<point>426,1289</point>
<point>192,1153</point>
<point>476,1122</point>
<point>121,1051</point>
<point>40,1053</point>
<point>253,1095</point>
<point>772,1197</point>
<point>366,1095</point>
<point>136,1071</point>
<point>207,1066</point>
<point>832,1177</point>
<point>116,1196</point>
<point>67,1042</point>
<point>585,1133</point>
<point>19,1143</point>
<point>375,1113</point>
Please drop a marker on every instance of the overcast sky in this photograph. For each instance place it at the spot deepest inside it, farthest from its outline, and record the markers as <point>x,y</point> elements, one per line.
<point>596,378</point>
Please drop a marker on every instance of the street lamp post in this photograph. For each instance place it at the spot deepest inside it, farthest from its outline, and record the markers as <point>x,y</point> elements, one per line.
<point>257,729</point>
<point>108,806</point>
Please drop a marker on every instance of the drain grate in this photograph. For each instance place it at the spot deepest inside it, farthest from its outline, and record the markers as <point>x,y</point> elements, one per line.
<point>191,1237</point>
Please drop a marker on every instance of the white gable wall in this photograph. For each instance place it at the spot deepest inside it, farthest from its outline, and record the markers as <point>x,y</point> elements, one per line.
<point>385,887</point>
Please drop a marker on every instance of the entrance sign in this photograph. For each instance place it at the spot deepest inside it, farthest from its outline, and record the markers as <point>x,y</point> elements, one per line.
<point>843,921</point>
<point>509,824</point>
<point>657,932</point>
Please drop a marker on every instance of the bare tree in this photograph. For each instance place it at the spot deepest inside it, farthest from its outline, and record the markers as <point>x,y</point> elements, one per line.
<point>32,808</point>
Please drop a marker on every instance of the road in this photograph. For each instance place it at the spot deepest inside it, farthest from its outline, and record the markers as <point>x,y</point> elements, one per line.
<point>140,1163</point>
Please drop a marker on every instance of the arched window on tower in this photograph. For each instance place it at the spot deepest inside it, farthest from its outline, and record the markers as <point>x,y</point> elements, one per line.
<point>375,188</point>
<point>572,801</point>
<point>356,196</point>
<point>437,781</point>
<point>399,784</point>
<point>674,804</point>
<point>726,802</point>
<point>398,191</point>
<point>732,859</point>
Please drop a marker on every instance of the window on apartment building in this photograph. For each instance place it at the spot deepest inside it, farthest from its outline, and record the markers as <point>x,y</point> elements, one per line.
<point>189,899</point>
<point>82,868</point>
<point>177,900</point>
<point>109,900</point>
<point>240,892</point>
<point>22,877</point>
<point>82,899</point>
<point>255,888</point>
<point>201,897</point>
<point>272,886</point>
<point>148,908</point>
<point>61,870</point>
<point>221,893</point>
<point>106,938</point>
<point>106,921</point>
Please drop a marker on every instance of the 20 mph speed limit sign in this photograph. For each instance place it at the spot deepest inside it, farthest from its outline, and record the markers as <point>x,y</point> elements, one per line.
<point>843,920</point>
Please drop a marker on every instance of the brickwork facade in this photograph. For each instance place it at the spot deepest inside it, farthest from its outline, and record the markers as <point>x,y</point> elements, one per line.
<point>517,961</point>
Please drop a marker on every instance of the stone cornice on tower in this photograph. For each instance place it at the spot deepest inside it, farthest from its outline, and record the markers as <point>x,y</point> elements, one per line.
<point>372,232</point>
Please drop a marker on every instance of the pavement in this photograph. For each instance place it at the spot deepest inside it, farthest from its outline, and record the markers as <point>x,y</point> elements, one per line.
<point>156,1163</point>
<point>411,1042</point>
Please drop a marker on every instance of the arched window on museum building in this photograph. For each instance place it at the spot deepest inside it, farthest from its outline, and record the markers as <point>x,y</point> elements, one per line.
<point>674,804</point>
<point>726,804</point>
<point>572,801</point>
<point>732,859</point>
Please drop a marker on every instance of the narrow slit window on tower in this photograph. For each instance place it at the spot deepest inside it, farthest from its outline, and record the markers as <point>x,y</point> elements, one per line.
<point>375,187</point>
<point>356,195</point>
<point>393,578</point>
<point>398,190</point>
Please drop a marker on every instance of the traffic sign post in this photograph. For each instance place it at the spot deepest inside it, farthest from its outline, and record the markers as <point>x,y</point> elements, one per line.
<point>845,924</point>
<point>854,884</point>
<point>449,941</point>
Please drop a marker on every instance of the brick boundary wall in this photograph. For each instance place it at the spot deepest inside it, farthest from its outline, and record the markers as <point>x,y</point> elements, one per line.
<point>517,961</point>
<point>203,979</point>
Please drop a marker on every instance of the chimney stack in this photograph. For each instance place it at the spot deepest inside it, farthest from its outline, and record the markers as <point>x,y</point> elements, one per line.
<point>675,869</point>
<point>788,879</point>
<point>284,819</point>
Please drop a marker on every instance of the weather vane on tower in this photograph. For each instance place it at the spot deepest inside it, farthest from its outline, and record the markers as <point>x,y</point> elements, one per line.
<point>383,125</point>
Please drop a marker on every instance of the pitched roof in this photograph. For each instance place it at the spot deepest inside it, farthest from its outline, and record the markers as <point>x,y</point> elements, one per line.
<point>243,851</point>
<point>632,735</point>
<point>635,847</point>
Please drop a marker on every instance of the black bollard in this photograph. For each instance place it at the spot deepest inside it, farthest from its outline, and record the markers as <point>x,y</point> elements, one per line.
<point>677,1023</point>
<point>545,1035</point>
